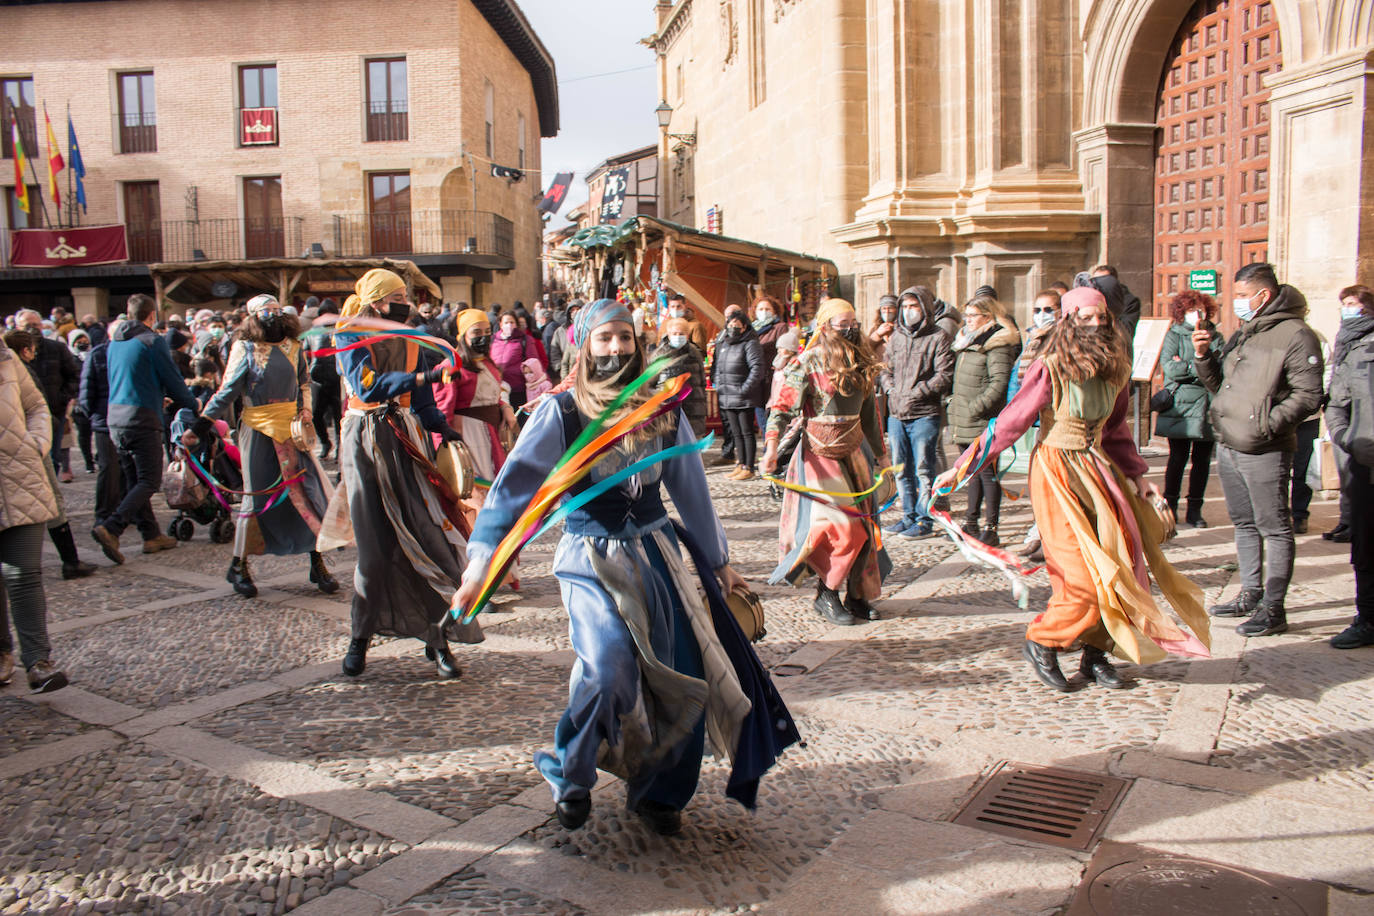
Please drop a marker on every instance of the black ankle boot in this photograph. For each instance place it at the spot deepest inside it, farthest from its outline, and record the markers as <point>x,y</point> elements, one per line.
<point>1269,619</point>
<point>1195,514</point>
<point>1045,662</point>
<point>319,574</point>
<point>828,605</point>
<point>239,577</point>
<point>573,812</point>
<point>1095,666</point>
<point>860,608</point>
<point>444,662</point>
<point>72,567</point>
<point>355,661</point>
<point>665,820</point>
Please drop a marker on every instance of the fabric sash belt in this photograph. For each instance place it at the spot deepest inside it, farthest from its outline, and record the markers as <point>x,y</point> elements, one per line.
<point>357,403</point>
<point>489,414</point>
<point>272,420</point>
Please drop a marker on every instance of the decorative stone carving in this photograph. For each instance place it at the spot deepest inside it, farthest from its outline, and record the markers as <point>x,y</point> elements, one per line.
<point>783,7</point>
<point>729,33</point>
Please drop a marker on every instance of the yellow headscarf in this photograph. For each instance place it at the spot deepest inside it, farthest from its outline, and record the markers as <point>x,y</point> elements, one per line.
<point>377,284</point>
<point>470,318</point>
<point>832,308</point>
<point>351,307</point>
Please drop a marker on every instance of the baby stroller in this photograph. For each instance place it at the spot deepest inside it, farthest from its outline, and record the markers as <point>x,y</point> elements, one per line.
<point>186,490</point>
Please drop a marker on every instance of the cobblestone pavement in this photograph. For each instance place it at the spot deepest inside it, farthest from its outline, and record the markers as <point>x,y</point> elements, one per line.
<point>210,758</point>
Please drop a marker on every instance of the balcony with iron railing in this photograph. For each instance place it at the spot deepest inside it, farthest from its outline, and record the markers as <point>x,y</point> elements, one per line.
<point>137,132</point>
<point>388,120</point>
<point>436,232</point>
<point>216,239</point>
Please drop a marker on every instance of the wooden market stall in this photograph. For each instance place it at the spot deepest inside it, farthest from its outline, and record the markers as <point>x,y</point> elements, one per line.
<point>711,271</point>
<point>194,282</point>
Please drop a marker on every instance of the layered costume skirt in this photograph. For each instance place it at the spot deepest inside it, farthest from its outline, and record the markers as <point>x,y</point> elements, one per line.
<point>279,526</point>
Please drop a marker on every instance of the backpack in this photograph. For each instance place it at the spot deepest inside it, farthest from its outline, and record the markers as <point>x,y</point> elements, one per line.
<point>181,487</point>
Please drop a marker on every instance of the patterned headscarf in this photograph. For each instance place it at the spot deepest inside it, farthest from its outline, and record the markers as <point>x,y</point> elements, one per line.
<point>602,311</point>
<point>259,303</point>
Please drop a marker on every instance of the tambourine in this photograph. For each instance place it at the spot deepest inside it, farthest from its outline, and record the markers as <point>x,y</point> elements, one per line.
<point>1165,515</point>
<point>455,464</point>
<point>303,434</point>
<point>748,611</point>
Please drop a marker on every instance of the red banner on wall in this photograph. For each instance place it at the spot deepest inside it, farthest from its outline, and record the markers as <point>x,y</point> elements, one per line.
<point>72,247</point>
<point>258,127</point>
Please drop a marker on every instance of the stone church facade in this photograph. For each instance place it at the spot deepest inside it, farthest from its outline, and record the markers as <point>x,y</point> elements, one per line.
<point>1013,142</point>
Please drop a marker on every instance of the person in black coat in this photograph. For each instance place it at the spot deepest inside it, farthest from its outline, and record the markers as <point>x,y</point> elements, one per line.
<point>738,374</point>
<point>59,375</point>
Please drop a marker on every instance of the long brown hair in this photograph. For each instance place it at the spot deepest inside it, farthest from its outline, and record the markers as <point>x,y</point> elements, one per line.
<point>852,367</point>
<point>592,395</point>
<point>1080,352</point>
<point>250,328</point>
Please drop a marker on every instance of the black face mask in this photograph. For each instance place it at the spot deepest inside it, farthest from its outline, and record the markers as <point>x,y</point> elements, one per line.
<point>398,311</point>
<point>273,329</point>
<point>481,345</point>
<point>733,333</point>
<point>850,334</point>
<point>617,364</point>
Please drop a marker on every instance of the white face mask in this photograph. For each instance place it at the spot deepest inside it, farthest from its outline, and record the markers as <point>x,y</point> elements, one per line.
<point>677,313</point>
<point>677,341</point>
<point>763,314</point>
<point>1351,311</point>
<point>1244,311</point>
<point>1191,318</point>
<point>1043,319</point>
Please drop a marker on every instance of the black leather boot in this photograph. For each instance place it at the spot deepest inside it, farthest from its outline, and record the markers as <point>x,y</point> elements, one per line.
<point>1240,606</point>
<point>444,662</point>
<point>239,577</point>
<point>72,567</point>
<point>319,574</point>
<point>665,820</point>
<point>828,605</point>
<point>573,812</point>
<point>1095,666</point>
<point>1045,662</point>
<point>860,608</point>
<point>1195,514</point>
<point>355,661</point>
<point>1269,619</point>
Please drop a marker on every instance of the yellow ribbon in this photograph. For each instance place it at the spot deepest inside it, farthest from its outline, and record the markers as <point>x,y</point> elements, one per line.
<point>894,470</point>
<point>272,420</point>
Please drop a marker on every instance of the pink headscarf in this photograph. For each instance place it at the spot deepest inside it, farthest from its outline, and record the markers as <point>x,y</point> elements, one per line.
<point>1080,296</point>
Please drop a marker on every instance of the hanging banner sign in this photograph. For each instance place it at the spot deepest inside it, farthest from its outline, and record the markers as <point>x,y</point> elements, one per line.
<point>258,127</point>
<point>72,247</point>
<point>558,192</point>
<point>613,194</point>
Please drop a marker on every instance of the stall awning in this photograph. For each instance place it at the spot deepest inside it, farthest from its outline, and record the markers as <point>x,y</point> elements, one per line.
<point>192,282</point>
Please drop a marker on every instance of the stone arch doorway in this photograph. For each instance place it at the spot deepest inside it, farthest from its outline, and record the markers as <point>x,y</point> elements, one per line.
<point>1211,188</point>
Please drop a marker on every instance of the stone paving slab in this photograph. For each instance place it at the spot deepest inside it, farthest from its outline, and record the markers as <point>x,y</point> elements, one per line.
<point>28,725</point>
<point>137,831</point>
<point>472,891</point>
<point>168,656</point>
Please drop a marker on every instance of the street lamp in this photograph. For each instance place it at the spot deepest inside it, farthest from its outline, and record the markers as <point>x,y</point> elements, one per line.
<point>664,111</point>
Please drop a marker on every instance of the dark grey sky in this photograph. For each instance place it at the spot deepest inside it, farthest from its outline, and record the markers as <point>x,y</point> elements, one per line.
<point>608,83</point>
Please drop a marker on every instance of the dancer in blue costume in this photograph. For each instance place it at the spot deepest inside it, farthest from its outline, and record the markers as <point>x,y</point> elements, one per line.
<point>657,673</point>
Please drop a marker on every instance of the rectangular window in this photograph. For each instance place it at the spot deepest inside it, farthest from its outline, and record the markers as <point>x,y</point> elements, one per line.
<point>143,221</point>
<point>520,164</point>
<point>17,101</point>
<point>263,235</point>
<point>490,105</point>
<point>388,100</point>
<point>15,218</point>
<point>388,211</point>
<point>137,113</point>
<point>258,105</point>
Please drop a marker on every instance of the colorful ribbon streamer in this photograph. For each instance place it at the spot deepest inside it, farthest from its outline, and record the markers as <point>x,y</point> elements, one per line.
<point>374,329</point>
<point>827,497</point>
<point>280,488</point>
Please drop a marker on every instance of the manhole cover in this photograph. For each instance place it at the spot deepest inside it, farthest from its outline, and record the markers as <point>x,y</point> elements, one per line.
<point>1043,804</point>
<point>1125,880</point>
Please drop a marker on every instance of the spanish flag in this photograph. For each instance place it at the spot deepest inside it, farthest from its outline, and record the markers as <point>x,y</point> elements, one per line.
<point>55,162</point>
<point>21,190</point>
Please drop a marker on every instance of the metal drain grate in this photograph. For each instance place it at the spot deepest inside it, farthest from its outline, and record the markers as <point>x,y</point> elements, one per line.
<point>1048,805</point>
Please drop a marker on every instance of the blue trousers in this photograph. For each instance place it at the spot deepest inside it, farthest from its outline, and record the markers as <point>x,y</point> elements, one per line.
<point>913,446</point>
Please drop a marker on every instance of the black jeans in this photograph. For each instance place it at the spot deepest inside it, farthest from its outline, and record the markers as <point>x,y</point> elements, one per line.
<point>21,549</point>
<point>327,412</point>
<point>1179,450</point>
<point>140,458</point>
<point>83,437</point>
<point>983,487</point>
<point>741,424</point>
<point>1301,495</point>
<point>1361,490</point>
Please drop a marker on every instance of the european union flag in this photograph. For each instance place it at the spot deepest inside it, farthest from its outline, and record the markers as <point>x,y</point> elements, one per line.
<point>75,164</point>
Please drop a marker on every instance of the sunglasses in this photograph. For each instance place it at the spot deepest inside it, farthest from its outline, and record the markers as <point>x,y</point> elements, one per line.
<point>1038,311</point>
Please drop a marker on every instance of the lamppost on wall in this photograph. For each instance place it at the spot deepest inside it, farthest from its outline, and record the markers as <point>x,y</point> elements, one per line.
<point>664,113</point>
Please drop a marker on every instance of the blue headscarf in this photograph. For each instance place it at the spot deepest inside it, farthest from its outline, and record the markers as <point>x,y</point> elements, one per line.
<point>602,311</point>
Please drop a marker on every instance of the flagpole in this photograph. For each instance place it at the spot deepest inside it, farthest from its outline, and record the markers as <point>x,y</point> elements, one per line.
<point>71,201</point>
<point>34,172</point>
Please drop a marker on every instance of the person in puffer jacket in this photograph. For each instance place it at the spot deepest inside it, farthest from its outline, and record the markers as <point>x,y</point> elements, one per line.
<point>985,352</point>
<point>1266,381</point>
<point>1350,418</point>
